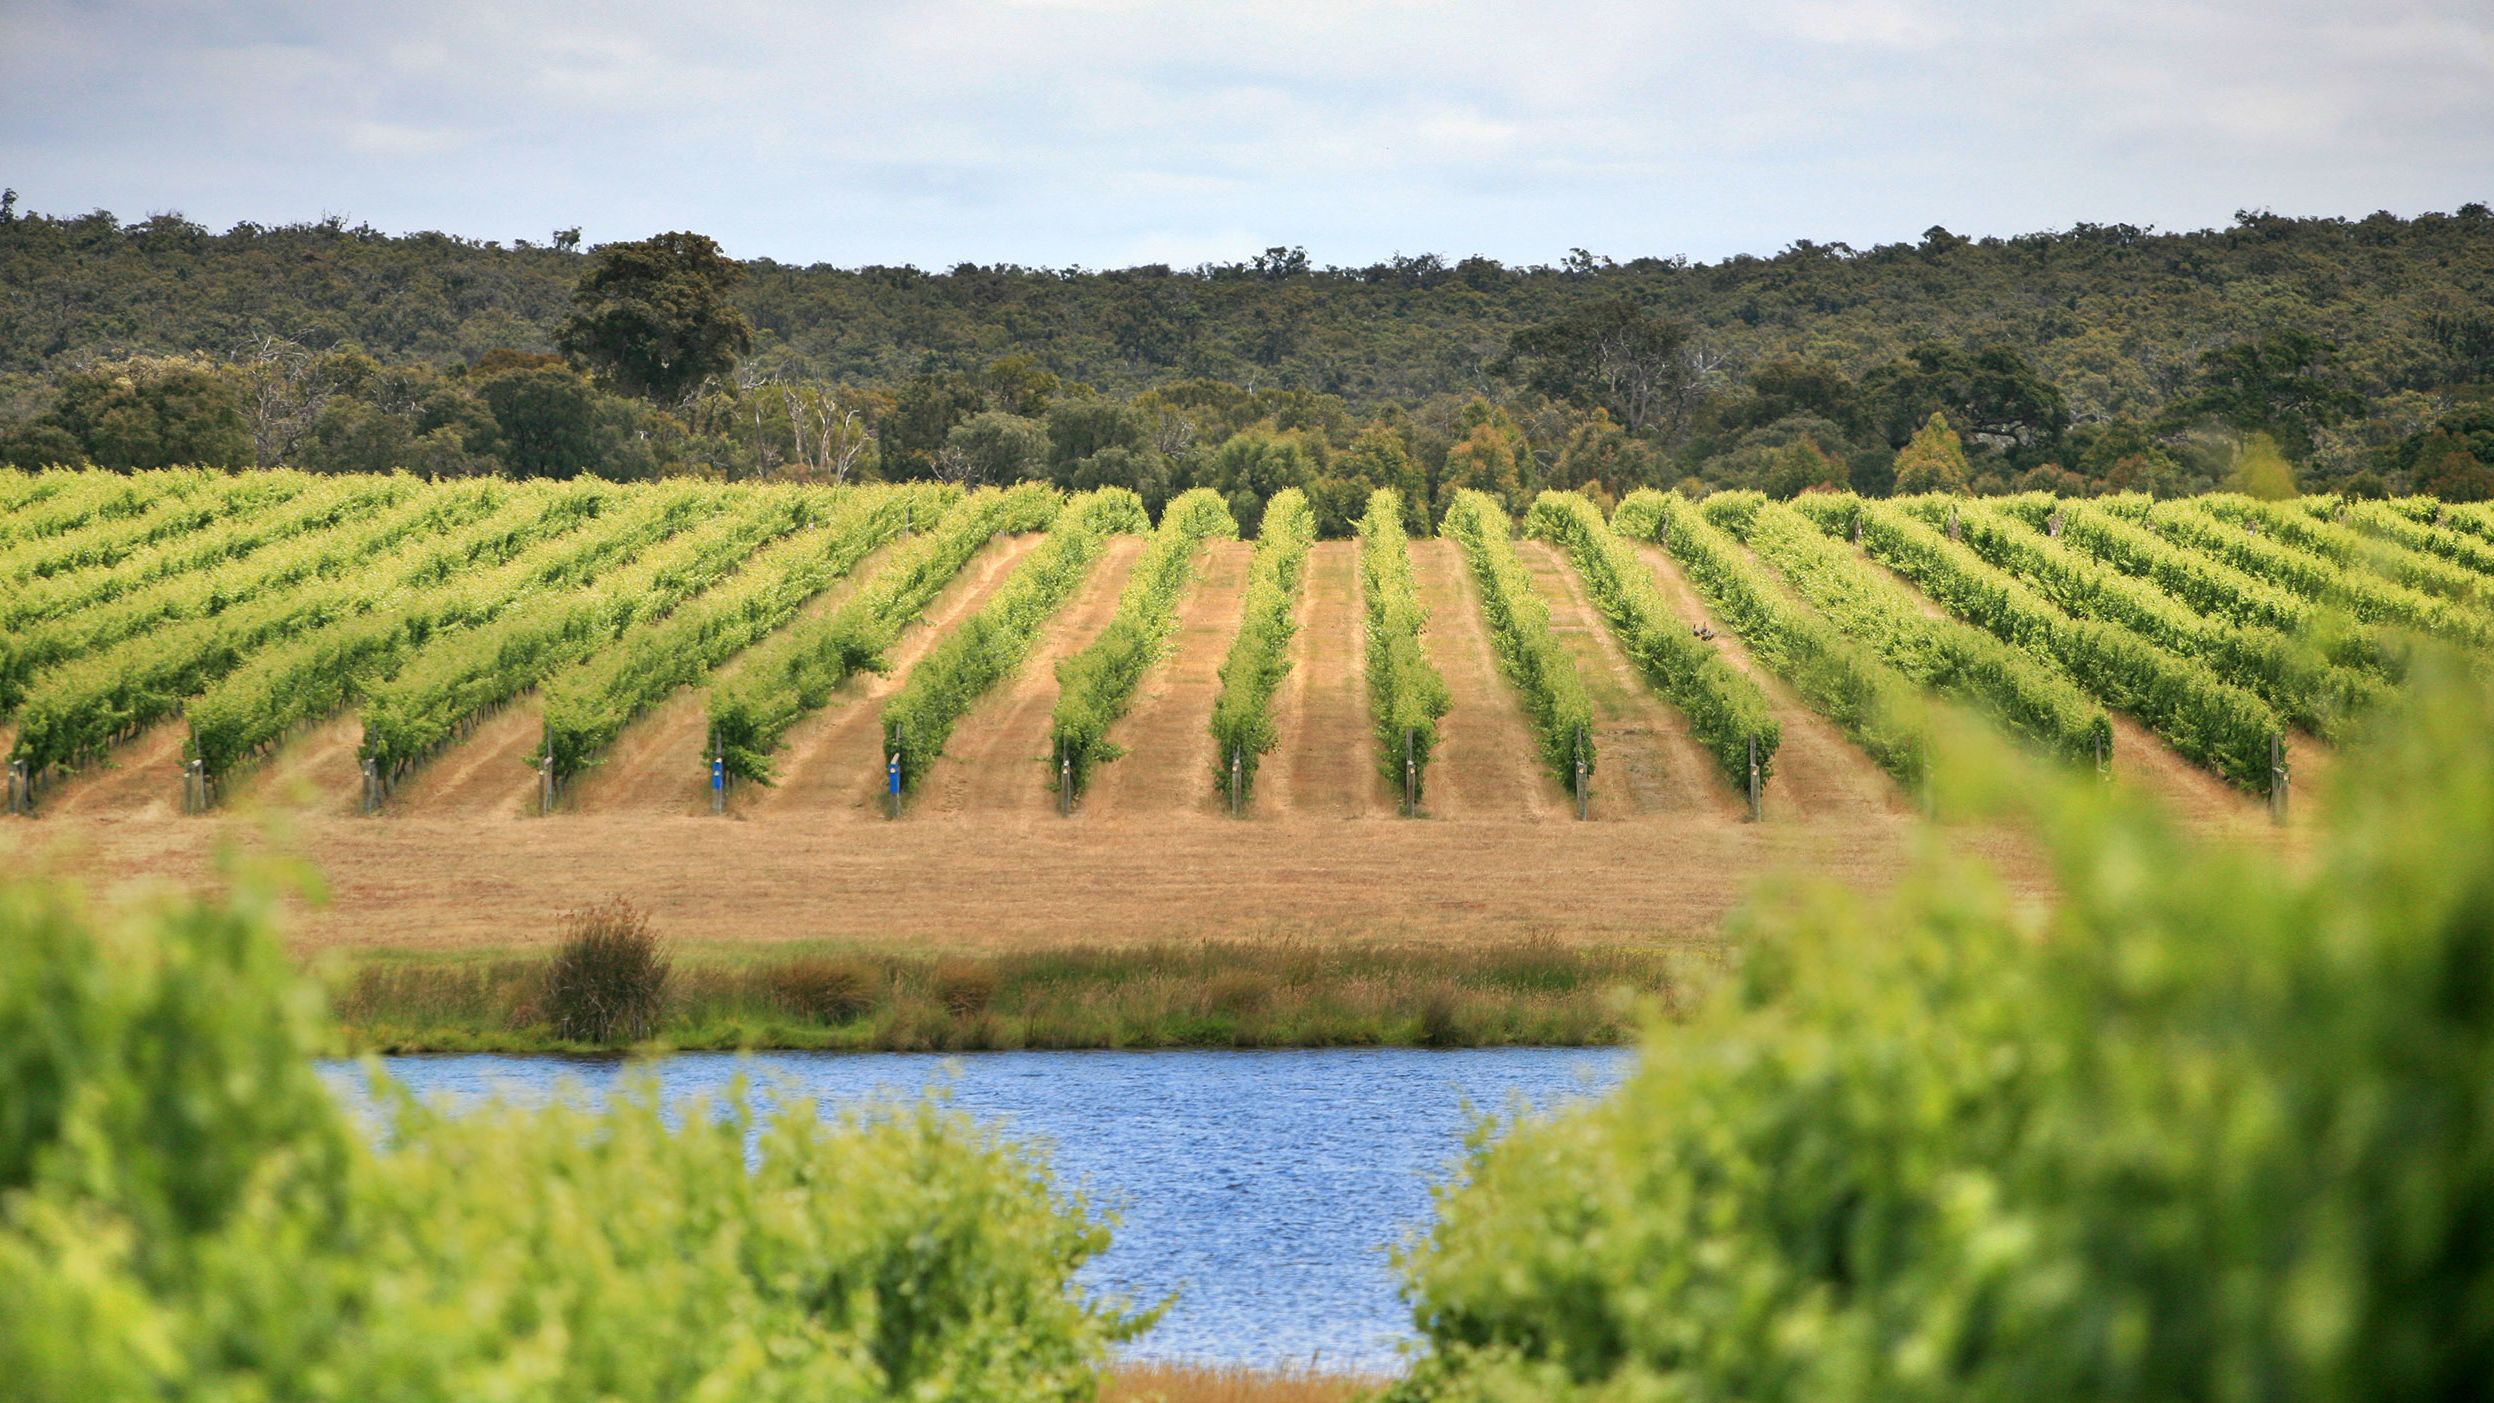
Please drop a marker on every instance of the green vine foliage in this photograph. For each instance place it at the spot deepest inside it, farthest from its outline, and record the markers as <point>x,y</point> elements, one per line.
<point>1519,623</point>
<point>1096,685</point>
<point>1883,711</point>
<point>991,644</point>
<point>795,672</point>
<point>1259,657</point>
<point>1406,695</point>
<point>1725,710</point>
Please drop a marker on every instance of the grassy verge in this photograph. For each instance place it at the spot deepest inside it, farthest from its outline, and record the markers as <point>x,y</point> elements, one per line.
<point>1272,993</point>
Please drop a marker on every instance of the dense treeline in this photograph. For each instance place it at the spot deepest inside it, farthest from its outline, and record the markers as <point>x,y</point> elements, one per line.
<point>2356,355</point>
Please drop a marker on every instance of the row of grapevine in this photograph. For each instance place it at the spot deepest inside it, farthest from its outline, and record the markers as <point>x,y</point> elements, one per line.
<point>2207,719</point>
<point>795,672</point>
<point>2367,596</point>
<point>689,539</point>
<point>2348,550</point>
<point>2386,522</point>
<point>2301,684</point>
<point>1242,715</point>
<point>319,670</point>
<point>83,498</point>
<point>181,502</point>
<point>1878,707</point>
<point>991,644</point>
<point>366,522</point>
<point>2211,587</point>
<point>1727,713</point>
<point>1406,696</point>
<point>1519,624</point>
<point>589,704</point>
<point>1096,685</point>
<point>313,503</point>
<point>82,708</point>
<point>2028,697</point>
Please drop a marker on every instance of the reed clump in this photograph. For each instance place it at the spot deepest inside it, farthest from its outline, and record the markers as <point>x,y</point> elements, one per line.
<point>608,979</point>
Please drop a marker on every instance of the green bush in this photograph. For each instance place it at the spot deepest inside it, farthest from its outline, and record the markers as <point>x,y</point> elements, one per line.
<point>186,1212</point>
<point>1096,685</point>
<point>991,644</point>
<point>2211,1124</point>
<point>1406,696</point>
<point>1519,625</point>
<point>1259,657</point>
<point>1726,711</point>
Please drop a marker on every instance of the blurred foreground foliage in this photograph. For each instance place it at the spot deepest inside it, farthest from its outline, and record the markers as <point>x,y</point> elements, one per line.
<point>2216,1126</point>
<point>186,1211</point>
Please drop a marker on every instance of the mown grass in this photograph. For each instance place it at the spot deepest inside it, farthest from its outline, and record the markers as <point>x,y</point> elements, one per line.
<point>1283,992</point>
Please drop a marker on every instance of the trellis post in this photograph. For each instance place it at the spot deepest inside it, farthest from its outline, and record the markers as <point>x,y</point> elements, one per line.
<point>1411,777</point>
<point>1064,780</point>
<point>1238,770</point>
<point>1582,798</point>
<point>2280,779</point>
<point>372,786</point>
<point>1755,797</point>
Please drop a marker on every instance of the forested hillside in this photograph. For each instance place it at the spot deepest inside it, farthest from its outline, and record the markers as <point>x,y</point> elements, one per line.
<point>2356,353</point>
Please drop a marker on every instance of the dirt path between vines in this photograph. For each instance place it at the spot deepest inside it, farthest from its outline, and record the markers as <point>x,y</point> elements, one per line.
<point>1486,764</point>
<point>1167,733</point>
<point>1324,760</point>
<point>657,764</point>
<point>1817,772</point>
<point>315,772</point>
<point>1645,759</point>
<point>830,765</point>
<point>996,763</point>
<point>139,779</point>
<point>484,773</point>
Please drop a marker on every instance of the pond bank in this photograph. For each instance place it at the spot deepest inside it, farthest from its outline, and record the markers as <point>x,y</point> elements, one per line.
<point>1205,994</point>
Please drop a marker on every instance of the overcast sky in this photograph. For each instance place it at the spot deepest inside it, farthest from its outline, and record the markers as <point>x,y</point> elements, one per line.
<point>1106,133</point>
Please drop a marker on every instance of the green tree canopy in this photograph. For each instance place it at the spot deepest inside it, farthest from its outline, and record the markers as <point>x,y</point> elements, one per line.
<point>652,317</point>
<point>1933,461</point>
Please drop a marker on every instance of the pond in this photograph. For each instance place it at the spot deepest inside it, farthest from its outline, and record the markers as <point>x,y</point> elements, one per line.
<point>1265,1188</point>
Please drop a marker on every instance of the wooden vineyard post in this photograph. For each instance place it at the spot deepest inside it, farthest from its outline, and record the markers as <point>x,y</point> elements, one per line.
<point>1411,778</point>
<point>1581,797</point>
<point>2279,778</point>
<point>1755,797</point>
<point>372,786</point>
<point>21,792</point>
<point>195,787</point>
<point>1064,781</point>
<point>1238,800</point>
<point>545,785</point>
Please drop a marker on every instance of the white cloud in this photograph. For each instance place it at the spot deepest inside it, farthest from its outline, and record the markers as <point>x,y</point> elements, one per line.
<point>1106,131</point>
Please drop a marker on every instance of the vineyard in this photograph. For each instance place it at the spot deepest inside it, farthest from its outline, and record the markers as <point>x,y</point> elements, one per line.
<point>1715,684</point>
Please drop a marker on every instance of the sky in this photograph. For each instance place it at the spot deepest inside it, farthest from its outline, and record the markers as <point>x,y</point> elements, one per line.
<point>1108,133</point>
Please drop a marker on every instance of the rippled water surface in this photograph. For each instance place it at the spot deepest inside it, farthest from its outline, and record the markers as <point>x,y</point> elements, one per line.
<point>1263,1187</point>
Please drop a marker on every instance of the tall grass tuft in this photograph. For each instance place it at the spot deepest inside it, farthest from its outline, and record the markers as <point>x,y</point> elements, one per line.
<point>608,980</point>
